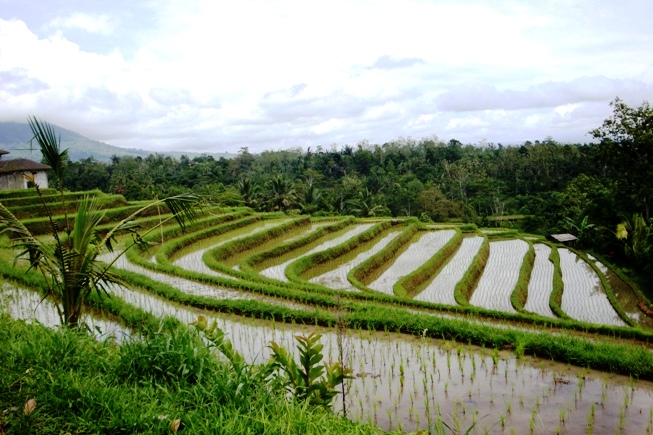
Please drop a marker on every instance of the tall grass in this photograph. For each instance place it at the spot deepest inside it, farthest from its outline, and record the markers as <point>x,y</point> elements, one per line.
<point>83,386</point>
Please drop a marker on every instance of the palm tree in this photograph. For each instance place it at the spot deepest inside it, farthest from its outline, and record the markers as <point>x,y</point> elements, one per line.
<point>69,262</point>
<point>281,194</point>
<point>249,191</point>
<point>309,197</point>
<point>365,205</point>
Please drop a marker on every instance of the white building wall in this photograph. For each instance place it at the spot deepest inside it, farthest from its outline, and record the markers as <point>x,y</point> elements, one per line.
<point>17,180</point>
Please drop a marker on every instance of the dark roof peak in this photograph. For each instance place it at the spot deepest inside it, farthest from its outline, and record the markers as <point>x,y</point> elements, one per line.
<point>21,165</point>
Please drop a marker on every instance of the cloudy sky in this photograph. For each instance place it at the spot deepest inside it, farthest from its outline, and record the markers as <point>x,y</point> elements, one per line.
<point>214,75</point>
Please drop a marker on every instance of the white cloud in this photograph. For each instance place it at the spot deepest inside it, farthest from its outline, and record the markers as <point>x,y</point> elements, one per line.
<point>220,75</point>
<point>91,23</point>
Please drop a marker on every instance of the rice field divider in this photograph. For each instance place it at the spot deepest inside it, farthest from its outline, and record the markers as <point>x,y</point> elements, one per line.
<point>289,294</point>
<point>555,300</point>
<point>206,217</point>
<point>297,268</point>
<point>465,287</point>
<point>257,261</point>
<point>520,293</point>
<point>607,288</point>
<point>411,284</point>
<point>33,199</point>
<point>611,357</point>
<point>499,233</point>
<point>361,274</point>
<point>165,252</point>
<point>214,258</point>
<point>70,206</point>
<point>41,225</point>
<point>23,193</point>
<point>614,358</point>
<point>169,251</point>
<point>634,287</point>
<point>636,361</point>
<point>320,299</point>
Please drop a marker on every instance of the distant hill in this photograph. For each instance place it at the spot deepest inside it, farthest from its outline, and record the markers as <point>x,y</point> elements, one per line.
<point>15,137</point>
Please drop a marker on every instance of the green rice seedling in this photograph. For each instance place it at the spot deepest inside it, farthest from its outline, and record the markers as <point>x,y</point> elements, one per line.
<point>590,417</point>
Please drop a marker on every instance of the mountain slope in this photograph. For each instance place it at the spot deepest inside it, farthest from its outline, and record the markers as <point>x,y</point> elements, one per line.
<point>15,138</point>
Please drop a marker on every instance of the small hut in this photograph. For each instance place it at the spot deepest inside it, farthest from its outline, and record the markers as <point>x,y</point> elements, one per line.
<point>565,238</point>
<point>14,173</point>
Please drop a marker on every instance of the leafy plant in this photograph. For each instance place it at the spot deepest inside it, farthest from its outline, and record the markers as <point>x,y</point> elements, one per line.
<point>309,380</point>
<point>69,262</point>
<point>636,236</point>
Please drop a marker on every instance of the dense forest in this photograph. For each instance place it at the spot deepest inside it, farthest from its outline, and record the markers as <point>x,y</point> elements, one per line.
<point>600,192</point>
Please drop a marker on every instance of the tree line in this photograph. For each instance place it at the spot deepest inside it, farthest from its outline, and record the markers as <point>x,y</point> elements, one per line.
<point>541,186</point>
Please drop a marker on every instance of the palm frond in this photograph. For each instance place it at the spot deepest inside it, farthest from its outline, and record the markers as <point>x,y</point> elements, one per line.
<point>21,236</point>
<point>50,145</point>
<point>183,207</point>
<point>85,234</point>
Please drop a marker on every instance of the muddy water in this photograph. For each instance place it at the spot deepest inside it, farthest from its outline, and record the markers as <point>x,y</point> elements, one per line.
<point>410,383</point>
<point>25,304</point>
<point>625,295</point>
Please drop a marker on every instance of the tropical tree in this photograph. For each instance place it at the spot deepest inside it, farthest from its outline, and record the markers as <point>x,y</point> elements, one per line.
<point>365,205</point>
<point>626,149</point>
<point>69,262</point>
<point>249,191</point>
<point>582,228</point>
<point>281,194</point>
<point>309,197</point>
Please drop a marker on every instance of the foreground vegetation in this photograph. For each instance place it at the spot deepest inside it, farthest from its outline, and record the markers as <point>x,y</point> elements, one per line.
<point>63,381</point>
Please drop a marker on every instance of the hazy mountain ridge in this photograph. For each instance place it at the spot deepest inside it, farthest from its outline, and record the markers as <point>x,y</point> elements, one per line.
<point>15,138</point>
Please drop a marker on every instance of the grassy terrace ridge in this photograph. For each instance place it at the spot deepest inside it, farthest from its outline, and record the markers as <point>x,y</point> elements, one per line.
<point>321,296</point>
<point>369,309</point>
<point>54,197</point>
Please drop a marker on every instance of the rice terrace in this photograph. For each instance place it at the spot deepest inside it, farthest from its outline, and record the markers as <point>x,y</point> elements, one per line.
<point>426,327</point>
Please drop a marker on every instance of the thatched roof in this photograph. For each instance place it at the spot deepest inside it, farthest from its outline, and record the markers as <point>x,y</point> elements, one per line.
<point>21,165</point>
<point>563,238</point>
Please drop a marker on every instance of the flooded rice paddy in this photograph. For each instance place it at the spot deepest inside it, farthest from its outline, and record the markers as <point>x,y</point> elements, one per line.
<point>412,383</point>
